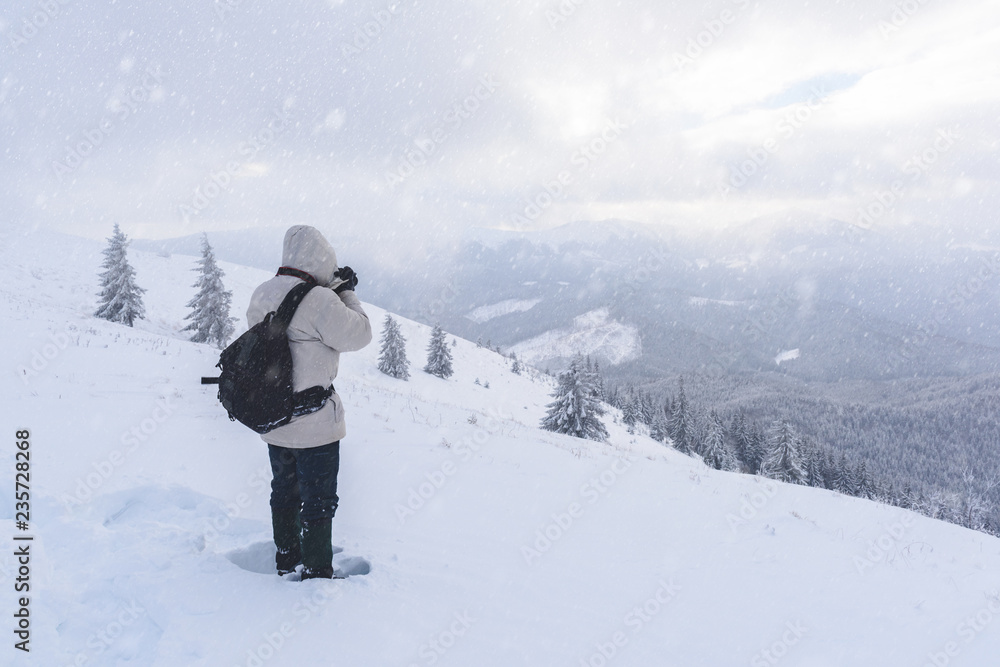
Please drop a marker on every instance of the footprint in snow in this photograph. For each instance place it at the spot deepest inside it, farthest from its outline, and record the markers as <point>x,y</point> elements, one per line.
<point>351,566</point>
<point>259,557</point>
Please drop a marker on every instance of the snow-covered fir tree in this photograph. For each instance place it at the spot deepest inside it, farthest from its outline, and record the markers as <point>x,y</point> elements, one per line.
<point>576,409</point>
<point>907,499</point>
<point>843,477</point>
<point>889,496</point>
<point>740,438</point>
<point>630,411</point>
<point>600,381</point>
<point>680,426</point>
<point>814,467</point>
<point>714,448</point>
<point>758,441</point>
<point>209,314</point>
<point>784,461</point>
<point>747,443</point>
<point>658,429</point>
<point>515,364</point>
<point>647,409</point>
<point>614,398</point>
<point>121,298</point>
<point>829,470</point>
<point>392,357</point>
<point>865,486</point>
<point>438,355</point>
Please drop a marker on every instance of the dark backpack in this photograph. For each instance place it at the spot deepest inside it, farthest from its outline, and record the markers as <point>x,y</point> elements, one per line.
<point>255,385</point>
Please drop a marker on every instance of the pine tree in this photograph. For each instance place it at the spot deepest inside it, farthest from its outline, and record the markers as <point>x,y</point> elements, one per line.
<point>907,500</point>
<point>438,355</point>
<point>865,488</point>
<point>515,365</point>
<point>616,398</point>
<point>740,435</point>
<point>680,426</point>
<point>600,380</point>
<point>889,496</point>
<point>814,467</point>
<point>209,316</point>
<point>756,448</point>
<point>646,409</point>
<point>829,471</point>
<point>630,411</point>
<point>658,430</point>
<point>576,408</point>
<point>784,461</point>
<point>843,477</point>
<point>392,357</point>
<point>121,298</point>
<point>714,449</point>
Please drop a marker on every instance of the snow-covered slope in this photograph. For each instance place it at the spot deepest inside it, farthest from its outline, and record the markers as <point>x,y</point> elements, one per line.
<point>593,333</point>
<point>485,543</point>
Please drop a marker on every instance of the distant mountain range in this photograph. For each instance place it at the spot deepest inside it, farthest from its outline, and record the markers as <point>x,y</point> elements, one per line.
<point>817,300</point>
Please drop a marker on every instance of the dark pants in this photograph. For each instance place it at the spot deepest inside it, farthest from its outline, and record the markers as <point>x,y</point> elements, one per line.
<point>306,480</point>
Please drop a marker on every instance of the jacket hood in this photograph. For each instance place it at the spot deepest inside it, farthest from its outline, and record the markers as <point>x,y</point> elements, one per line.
<point>305,249</point>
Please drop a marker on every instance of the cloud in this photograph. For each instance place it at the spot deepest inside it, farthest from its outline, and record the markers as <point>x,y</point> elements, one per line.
<point>839,97</point>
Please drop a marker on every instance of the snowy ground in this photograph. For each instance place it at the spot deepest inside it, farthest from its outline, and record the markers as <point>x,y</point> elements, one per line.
<point>482,544</point>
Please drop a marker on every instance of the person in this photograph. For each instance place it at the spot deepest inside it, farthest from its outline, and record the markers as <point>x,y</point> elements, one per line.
<point>305,453</point>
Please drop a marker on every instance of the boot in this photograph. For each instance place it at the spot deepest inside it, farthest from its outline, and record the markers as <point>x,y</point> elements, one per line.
<point>285,523</point>
<point>317,549</point>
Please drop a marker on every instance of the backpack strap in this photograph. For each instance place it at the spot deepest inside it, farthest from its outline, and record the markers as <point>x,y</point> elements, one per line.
<point>301,275</point>
<point>289,305</point>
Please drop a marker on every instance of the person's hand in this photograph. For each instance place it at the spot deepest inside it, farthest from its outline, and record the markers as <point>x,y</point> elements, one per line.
<point>350,279</point>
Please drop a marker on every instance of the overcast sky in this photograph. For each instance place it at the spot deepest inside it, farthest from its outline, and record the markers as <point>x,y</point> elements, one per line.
<point>430,117</point>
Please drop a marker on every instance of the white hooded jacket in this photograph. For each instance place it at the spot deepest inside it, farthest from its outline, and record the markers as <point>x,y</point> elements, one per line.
<point>325,324</point>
